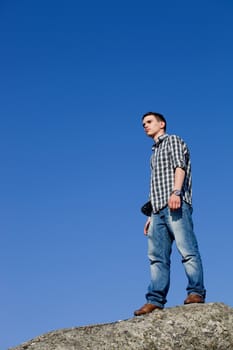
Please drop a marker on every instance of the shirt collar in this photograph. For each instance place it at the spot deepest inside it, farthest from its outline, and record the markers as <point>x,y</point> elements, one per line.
<point>160,140</point>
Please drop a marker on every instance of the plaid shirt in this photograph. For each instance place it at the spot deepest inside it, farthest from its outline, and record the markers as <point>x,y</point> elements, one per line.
<point>169,153</point>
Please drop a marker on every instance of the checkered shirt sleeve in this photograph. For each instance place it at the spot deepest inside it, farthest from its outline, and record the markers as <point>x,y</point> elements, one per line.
<point>169,153</point>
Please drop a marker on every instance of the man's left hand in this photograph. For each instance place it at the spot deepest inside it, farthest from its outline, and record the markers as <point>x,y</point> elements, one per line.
<point>174,202</point>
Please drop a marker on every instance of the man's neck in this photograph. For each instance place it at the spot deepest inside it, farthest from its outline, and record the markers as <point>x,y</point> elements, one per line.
<point>156,137</point>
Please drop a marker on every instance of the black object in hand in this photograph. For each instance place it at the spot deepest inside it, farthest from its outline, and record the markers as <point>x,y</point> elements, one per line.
<point>147,209</point>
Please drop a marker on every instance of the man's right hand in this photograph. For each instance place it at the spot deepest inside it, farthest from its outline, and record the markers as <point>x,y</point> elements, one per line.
<point>146,227</point>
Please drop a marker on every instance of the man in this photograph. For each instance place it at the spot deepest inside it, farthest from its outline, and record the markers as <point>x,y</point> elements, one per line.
<point>171,216</point>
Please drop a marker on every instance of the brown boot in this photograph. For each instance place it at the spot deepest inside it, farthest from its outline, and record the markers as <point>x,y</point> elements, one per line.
<point>146,309</point>
<point>194,298</point>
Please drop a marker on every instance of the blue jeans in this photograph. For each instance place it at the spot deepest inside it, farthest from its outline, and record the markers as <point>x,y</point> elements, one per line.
<point>165,227</point>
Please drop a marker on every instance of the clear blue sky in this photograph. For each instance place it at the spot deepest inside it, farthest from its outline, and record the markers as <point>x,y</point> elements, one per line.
<point>75,78</point>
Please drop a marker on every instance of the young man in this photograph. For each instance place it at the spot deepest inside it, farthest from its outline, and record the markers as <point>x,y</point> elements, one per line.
<point>171,216</point>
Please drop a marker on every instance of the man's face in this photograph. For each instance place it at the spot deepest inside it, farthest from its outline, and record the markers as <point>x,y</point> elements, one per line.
<point>153,128</point>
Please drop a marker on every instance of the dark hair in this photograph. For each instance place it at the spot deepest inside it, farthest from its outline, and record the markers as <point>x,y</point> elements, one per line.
<point>158,116</point>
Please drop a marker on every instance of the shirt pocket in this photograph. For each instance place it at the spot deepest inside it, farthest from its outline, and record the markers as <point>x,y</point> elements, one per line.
<point>163,159</point>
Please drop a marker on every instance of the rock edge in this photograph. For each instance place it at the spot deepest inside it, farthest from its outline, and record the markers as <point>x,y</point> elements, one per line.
<point>186,327</point>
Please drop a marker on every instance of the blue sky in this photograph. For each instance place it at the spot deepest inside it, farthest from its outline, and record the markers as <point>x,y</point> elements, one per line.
<point>75,79</point>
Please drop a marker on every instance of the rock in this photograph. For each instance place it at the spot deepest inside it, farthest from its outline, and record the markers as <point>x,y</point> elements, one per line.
<point>186,327</point>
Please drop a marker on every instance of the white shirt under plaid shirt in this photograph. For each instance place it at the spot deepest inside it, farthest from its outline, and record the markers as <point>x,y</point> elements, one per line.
<point>169,152</point>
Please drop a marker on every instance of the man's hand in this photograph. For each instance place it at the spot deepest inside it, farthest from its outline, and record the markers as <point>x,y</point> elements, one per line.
<point>146,227</point>
<point>174,202</point>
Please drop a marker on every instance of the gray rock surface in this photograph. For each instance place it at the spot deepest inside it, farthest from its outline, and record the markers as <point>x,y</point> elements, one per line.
<point>186,327</point>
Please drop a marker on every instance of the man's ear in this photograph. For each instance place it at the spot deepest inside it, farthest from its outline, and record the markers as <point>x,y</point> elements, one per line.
<point>162,124</point>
